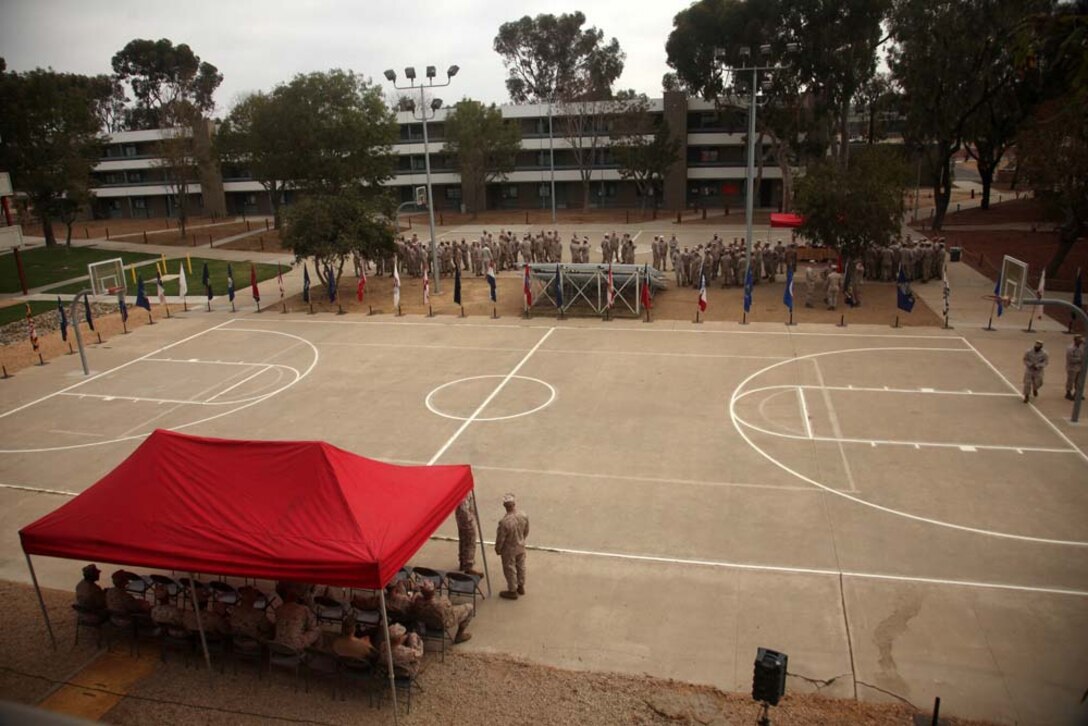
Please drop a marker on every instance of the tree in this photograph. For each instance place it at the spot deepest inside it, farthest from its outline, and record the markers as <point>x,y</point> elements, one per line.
<point>483,146</point>
<point>950,59</point>
<point>331,227</point>
<point>553,60</point>
<point>645,150</point>
<point>858,207</point>
<point>875,98</point>
<point>164,79</point>
<point>176,154</point>
<point>49,138</point>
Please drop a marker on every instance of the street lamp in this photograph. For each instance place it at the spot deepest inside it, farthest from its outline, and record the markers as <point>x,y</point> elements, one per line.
<point>410,74</point>
<point>745,54</point>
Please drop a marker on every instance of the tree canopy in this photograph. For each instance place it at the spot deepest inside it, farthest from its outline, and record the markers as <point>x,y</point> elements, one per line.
<point>483,147</point>
<point>165,80</point>
<point>332,227</point>
<point>644,149</point>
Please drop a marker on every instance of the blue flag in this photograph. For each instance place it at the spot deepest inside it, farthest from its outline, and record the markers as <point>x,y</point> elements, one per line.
<point>141,296</point>
<point>787,296</point>
<point>558,288</point>
<point>87,313</point>
<point>997,294</point>
<point>904,297</point>
<point>305,283</point>
<point>230,283</point>
<point>457,285</point>
<point>206,279</point>
<point>63,320</point>
<point>122,306</point>
<point>330,281</point>
<point>491,282</point>
<point>1078,292</point>
<point>748,290</point>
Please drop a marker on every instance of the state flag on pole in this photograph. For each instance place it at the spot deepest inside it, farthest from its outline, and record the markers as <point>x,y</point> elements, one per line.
<point>611,287</point>
<point>30,328</point>
<point>63,320</point>
<point>183,284</point>
<point>1040,291</point>
<point>748,284</point>
<point>206,280</point>
<point>702,293</point>
<point>558,287</point>
<point>141,296</point>
<point>396,284</point>
<point>904,297</point>
<point>305,283</point>
<point>457,285</point>
<point>527,289</point>
<point>87,312</point>
<point>330,281</point>
<point>997,294</point>
<point>121,305</point>
<point>426,286</point>
<point>162,290</point>
<point>946,293</point>
<point>230,283</point>
<point>646,301</point>
<point>279,280</point>
<point>253,283</point>
<point>491,282</point>
<point>787,296</point>
<point>360,289</point>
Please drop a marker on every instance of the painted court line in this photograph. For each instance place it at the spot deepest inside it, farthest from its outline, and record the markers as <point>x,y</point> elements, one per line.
<point>804,411</point>
<point>836,429</point>
<point>482,406</point>
<point>247,379</point>
<point>883,389</point>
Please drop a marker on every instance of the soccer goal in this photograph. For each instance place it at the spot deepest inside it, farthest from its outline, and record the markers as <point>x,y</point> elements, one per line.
<point>107,277</point>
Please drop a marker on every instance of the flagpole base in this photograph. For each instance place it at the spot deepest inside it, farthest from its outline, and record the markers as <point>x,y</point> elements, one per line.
<point>697,321</point>
<point>896,322</point>
<point>990,325</point>
<point>339,309</point>
<point>526,314</point>
<point>209,307</point>
<point>70,351</point>
<point>41,361</point>
<point>430,312</point>
<point>311,309</point>
<point>6,374</point>
<point>398,311</point>
<point>647,317</point>
<point>149,321</point>
<point>494,313</point>
<point>370,308</point>
<point>462,313</point>
<point>744,318</point>
<point>99,336</point>
<point>790,321</point>
<point>284,311</point>
<point>842,321</point>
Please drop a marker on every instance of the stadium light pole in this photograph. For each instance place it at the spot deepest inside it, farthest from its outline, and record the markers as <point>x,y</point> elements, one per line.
<point>754,68</point>
<point>410,74</point>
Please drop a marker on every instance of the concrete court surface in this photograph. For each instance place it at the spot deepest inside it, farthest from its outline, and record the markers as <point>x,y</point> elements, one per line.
<point>876,503</point>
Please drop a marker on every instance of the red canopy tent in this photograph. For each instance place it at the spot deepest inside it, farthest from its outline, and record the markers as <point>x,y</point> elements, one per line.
<point>786,220</point>
<point>291,510</point>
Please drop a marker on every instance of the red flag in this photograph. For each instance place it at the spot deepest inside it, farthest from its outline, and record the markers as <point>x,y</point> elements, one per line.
<point>361,287</point>
<point>611,287</point>
<point>528,290</point>
<point>253,282</point>
<point>646,293</point>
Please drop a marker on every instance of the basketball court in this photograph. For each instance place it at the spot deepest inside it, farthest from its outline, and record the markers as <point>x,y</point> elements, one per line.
<point>877,503</point>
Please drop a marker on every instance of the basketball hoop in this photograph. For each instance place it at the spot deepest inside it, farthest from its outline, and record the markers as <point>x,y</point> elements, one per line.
<point>113,290</point>
<point>1005,301</point>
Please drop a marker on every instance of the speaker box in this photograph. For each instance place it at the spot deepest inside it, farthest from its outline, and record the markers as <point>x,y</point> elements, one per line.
<point>769,681</point>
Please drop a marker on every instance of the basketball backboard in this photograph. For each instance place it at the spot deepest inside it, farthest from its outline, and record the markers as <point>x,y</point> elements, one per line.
<point>107,277</point>
<point>1014,281</point>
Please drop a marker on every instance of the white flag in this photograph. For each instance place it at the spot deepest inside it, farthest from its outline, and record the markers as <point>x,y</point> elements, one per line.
<point>1040,291</point>
<point>426,287</point>
<point>396,284</point>
<point>183,285</point>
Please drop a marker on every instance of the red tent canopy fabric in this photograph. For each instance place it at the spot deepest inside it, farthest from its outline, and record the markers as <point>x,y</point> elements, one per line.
<point>786,220</point>
<point>292,510</point>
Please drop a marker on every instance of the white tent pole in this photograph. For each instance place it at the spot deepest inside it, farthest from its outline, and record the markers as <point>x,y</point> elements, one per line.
<point>199,624</point>
<point>483,547</point>
<point>388,651</point>
<point>38,590</point>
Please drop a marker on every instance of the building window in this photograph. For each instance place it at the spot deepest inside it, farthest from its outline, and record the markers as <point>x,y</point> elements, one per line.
<point>453,193</point>
<point>130,150</point>
<point>251,200</point>
<point>139,203</point>
<point>510,192</point>
<point>544,191</point>
<point>135,177</point>
<point>708,156</point>
<point>115,205</point>
<point>418,163</point>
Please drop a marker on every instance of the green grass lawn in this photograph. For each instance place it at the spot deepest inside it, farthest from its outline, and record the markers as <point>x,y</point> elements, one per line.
<point>11,313</point>
<point>217,272</point>
<point>44,265</point>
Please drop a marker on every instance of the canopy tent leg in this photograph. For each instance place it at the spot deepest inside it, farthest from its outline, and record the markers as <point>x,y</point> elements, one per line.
<point>483,547</point>
<point>389,652</point>
<point>41,601</point>
<point>199,622</point>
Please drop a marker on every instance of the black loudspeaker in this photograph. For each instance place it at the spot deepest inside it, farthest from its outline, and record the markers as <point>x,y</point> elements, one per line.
<point>769,682</point>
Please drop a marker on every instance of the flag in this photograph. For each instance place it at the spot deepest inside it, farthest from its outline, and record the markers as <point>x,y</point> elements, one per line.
<point>748,283</point>
<point>946,293</point>
<point>457,285</point>
<point>30,328</point>
<point>904,297</point>
<point>1041,290</point>
<point>141,296</point>
<point>183,284</point>
<point>646,288</point>
<point>360,289</point>
<point>162,290</point>
<point>426,285</point>
<point>230,283</point>
<point>206,280</point>
<point>121,305</point>
<point>787,296</point>
<point>253,283</point>
<point>527,289</point>
<point>702,294</point>
<point>330,282</point>
<point>396,284</point>
<point>558,287</point>
<point>87,313</point>
<point>997,294</point>
<point>279,279</point>
<point>491,281</point>
<point>611,287</point>
<point>1078,293</point>
<point>63,320</point>
<point>305,283</point>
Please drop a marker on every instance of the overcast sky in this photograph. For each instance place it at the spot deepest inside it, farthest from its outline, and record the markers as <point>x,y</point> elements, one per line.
<point>256,45</point>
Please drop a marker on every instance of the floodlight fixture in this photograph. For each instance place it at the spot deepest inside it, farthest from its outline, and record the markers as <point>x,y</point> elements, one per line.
<point>745,51</point>
<point>431,72</point>
<point>792,47</point>
<point>765,49</point>
<point>436,104</point>
<point>452,71</point>
<point>410,104</point>
<point>391,75</point>
<point>410,73</point>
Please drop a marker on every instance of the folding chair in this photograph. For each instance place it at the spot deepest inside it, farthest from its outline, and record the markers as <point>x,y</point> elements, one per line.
<point>285,657</point>
<point>404,682</point>
<point>328,610</point>
<point>176,638</point>
<point>429,575</point>
<point>244,647</point>
<point>460,586</point>
<point>223,592</point>
<point>359,671</point>
<point>91,619</point>
<point>322,665</point>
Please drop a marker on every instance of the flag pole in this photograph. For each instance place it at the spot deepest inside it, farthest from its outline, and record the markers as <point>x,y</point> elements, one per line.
<point>990,323</point>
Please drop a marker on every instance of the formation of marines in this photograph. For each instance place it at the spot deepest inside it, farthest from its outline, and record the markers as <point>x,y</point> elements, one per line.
<point>921,260</point>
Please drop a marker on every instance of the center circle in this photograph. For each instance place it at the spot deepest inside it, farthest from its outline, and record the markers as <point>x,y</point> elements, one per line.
<point>464,388</point>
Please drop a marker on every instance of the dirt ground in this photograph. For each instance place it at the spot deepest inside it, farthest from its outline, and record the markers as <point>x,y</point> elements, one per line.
<point>268,241</point>
<point>86,229</point>
<point>466,688</point>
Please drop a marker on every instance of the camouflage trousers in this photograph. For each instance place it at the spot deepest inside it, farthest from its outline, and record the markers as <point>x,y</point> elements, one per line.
<point>466,541</point>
